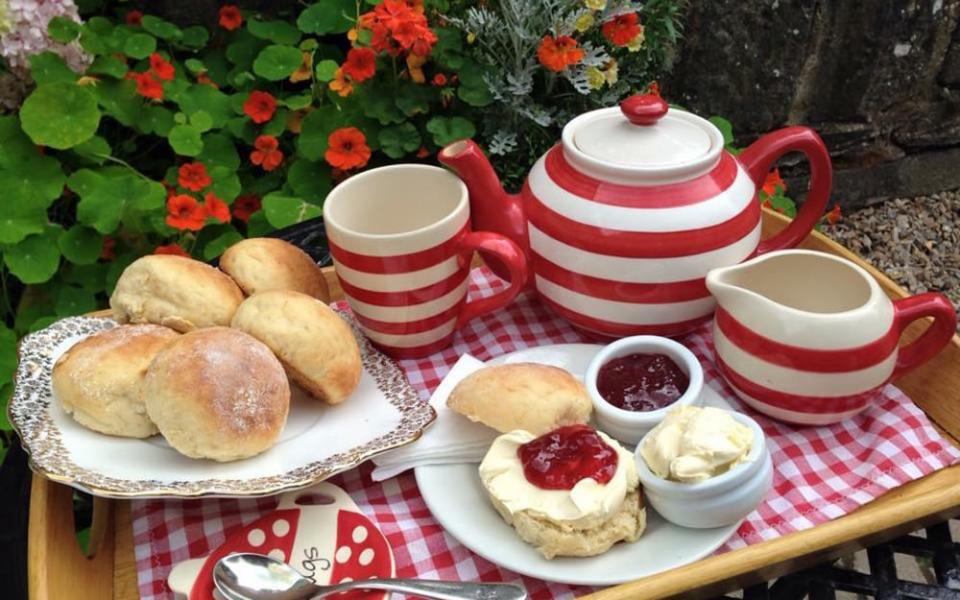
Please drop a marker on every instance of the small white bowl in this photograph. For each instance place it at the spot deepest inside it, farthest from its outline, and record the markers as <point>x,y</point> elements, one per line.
<point>626,425</point>
<point>722,500</point>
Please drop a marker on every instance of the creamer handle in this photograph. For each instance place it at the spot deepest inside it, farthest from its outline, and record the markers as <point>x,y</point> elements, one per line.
<point>931,341</point>
<point>761,155</point>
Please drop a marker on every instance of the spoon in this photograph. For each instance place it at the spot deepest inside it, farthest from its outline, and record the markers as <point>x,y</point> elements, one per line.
<point>248,576</point>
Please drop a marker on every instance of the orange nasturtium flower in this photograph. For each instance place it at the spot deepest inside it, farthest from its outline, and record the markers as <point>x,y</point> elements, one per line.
<point>193,176</point>
<point>183,212</point>
<point>558,53</point>
<point>360,64</point>
<point>772,181</point>
<point>340,84</point>
<point>305,71</point>
<point>834,215</point>
<point>230,17</point>
<point>260,106</point>
<point>622,29</point>
<point>173,249</point>
<point>347,149</point>
<point>266,152</point>
<point>216,207</point>
<point>147,85</point>
<point>161,68</point>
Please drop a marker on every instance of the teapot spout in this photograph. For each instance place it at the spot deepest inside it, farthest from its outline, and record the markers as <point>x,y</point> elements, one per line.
<point>491,207</point>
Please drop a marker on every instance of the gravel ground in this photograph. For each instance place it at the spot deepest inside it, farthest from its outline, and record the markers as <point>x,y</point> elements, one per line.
<point>916,241</point>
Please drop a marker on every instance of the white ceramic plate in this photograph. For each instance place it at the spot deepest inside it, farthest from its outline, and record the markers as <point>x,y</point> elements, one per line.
<point>458,501</point>
<point>318,440</point>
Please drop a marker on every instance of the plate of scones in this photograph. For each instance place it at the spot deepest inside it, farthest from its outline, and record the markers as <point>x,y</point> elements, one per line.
<point>557,498</point>
<point>205,381</point>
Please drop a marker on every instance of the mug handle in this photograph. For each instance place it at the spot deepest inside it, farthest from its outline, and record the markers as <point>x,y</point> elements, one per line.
<point>931,341</point>
<point>510,255</point>
<point>760,156</point>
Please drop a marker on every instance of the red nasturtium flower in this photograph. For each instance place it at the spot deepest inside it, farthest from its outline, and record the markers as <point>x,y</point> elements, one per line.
<point>193,176</point>
<point>360,64</point>
<point>133,17</point>
<point>108,250</point>
<point>163,70</point>
<point>260,106</point>
<point>147,85</point>
<point>653,88</point>
<point>834,215</point>
<point>773,180</point>
<point>245,206</point>
<point>230,17</point>
<point>347,149</point>
<point>439,80</point>
<point>173,249</point>
<point>621,30</point>
<point>397,26</point>
<point>266,153</point>
<point>558,53</point>
<point>205,79</point>
<point>183,212</point>
<point>216,207</point>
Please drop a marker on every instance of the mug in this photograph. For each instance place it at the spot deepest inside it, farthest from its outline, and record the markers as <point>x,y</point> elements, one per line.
<point>401,240</point>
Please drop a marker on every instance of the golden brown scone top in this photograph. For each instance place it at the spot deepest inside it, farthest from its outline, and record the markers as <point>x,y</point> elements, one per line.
<point>263,264</point>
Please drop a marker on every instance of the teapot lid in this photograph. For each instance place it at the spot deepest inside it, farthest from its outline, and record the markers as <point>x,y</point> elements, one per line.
<point>644,138</point>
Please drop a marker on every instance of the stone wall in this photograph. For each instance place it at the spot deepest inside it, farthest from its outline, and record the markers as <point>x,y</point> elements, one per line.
<point>879,79</point>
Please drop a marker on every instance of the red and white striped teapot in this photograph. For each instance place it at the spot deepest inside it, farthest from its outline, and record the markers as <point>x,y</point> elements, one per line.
<point>622,220</point>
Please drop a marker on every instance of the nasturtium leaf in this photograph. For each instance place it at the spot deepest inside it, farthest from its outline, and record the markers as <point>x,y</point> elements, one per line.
<point>43,323</point>
<point>80,245</point>
<point>327,16</point>
<point>219,244</point>
<point>277,62</point>
<point>185,140</point>
<point>278,124</point>
<point>446,130</point>
<point>8,353</point>
<point>219,151</point>
<point>34,259</point>
<point>108,65</point>
<point>258,226</point>
<point>195,36</point>
<point>297,102</point>
<point>165,30</point>
<point>725,127</point>
<point>63,29</point>
<point>20,219</point>
<point>279,32</point>
<point>121,262</point>
<point>96,149</point>
<point>310,180</point>
<point>139,45</point>
<point>194,65</point>
<point>309,45</point>
<point>244,48</point>
<point>92,42</point>
<point>157,120</point>
<point>84,181</point>
<point>48,67</point>
<point>105,195</point>
<point>399,140</point>
<point>180,118</point>
<point>282,211</point>
<point>415,99</point>
<point>201,120</point>
<point>32,178</point>
<point>226,183</point>
<point>315,131</point>
<point>120,100</point>
<point>325,70</point>
<point>72,300</point>
<point>380,105</point>
<point>14,144</point>
<point>448,51</point>
<point>60,115</point>
<point>89,277</point>
<point>208,99</point>
<point>473,88</point>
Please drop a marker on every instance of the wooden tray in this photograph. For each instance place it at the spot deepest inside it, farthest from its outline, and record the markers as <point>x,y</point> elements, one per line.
<point>58,569</point>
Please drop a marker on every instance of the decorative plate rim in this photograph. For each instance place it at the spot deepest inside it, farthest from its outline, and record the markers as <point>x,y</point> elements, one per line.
<point>29,415</point>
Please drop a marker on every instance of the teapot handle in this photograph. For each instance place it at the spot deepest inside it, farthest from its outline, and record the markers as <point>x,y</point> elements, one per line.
<point>760,156</point>
<point>931,341</point>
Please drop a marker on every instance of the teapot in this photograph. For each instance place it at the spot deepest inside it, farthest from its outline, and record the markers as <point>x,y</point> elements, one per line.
<point>622,219</point>
<point>809,338</point>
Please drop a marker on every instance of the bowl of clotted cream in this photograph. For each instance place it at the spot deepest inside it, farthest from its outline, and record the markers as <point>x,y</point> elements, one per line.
<point>704,467</point>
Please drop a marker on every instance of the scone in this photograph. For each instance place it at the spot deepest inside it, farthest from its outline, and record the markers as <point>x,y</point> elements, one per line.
<point>99,380</point>
<point>571,492</point>
<point>178,292</point>
<point>316,346</point>
<point>217,393</point>
<point>529,396</point>
<point>263,264</point>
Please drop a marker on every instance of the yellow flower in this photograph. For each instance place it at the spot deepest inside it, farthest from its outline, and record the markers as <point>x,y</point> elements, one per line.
<point>415,67</point>
<point>595,4</point>
<point>352,34</point>
<point>340,84</point>
<point>471,37</point>
<point>584,22</point>
<point>636,42</point>
<point>611,73</point>
<point>88,80</point>
<point>595,78</point>
<point>305,71</point>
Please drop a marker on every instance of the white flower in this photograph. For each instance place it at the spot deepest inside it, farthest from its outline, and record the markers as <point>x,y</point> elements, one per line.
<point>24,32</point>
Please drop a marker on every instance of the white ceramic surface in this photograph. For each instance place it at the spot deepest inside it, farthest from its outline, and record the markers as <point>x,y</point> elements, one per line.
<point>629,426</point>
<point>455,496</point>
<point>722,500</point>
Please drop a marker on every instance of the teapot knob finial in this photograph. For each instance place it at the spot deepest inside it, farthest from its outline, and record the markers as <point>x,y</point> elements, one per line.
<point>644,109</point>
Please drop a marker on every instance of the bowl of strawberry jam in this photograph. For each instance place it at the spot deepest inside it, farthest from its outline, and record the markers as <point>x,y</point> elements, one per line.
<point>634,381</point>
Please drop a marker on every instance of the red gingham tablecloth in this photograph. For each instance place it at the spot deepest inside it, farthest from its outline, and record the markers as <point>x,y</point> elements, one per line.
<point>821,473</point>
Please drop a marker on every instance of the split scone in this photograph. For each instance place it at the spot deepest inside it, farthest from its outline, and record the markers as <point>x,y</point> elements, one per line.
<point>571,492</point>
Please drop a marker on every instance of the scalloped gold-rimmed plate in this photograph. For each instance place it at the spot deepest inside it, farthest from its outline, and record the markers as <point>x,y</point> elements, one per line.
<point>317,442</point>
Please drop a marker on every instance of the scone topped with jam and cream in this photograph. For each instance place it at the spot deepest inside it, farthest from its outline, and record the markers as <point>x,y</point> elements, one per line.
<point>573,491</point>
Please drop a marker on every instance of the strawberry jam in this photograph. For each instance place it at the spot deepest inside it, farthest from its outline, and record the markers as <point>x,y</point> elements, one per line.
<point>559,459</point>
<point>641,382</point>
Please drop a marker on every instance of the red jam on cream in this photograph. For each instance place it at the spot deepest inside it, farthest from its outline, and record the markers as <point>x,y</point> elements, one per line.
<point>641,382</point>
<point>560,459</point>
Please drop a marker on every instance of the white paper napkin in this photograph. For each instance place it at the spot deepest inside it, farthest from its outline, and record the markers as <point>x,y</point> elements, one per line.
<point>452,438</point>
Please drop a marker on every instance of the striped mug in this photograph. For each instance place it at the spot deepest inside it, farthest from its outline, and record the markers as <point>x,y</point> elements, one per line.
<point>401,241</point>
<point>810,338</point>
